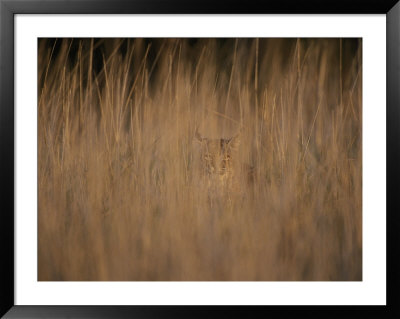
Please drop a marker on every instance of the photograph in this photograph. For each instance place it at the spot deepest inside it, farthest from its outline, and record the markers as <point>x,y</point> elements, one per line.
<point>199,159</point>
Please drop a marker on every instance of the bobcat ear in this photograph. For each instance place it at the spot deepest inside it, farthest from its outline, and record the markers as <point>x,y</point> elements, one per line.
<point>234,141</point>
<point>198,136</point>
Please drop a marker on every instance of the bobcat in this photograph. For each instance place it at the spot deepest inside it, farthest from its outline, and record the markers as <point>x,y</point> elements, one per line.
<point>219,161</point>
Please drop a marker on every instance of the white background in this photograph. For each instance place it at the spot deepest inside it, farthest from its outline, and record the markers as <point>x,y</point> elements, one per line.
<point>372,290</point>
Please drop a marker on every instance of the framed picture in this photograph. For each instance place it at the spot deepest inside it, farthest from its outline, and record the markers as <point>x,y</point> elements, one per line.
<point>164,158</point>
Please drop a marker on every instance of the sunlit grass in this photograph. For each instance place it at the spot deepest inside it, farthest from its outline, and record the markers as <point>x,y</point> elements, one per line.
<point>121,196</point>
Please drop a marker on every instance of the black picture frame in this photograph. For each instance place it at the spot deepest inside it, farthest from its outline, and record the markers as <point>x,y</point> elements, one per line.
<point>8,10</point>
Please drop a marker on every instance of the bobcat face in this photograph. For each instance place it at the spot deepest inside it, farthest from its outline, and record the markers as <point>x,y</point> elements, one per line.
<point>217,156</point>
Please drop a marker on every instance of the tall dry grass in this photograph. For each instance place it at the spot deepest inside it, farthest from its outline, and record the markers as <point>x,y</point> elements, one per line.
<point>121,199</point>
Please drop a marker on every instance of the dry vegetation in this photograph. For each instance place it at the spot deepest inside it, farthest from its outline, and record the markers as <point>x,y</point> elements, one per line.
<point>120,196</point>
